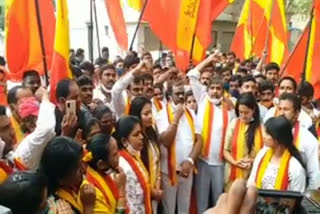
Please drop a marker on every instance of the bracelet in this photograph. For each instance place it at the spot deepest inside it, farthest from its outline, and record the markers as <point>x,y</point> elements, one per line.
<point>174,123</point>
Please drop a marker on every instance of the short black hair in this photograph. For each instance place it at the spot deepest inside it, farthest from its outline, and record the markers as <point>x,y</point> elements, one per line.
<point>100,110</point>
<point>30,73</point>
<point>157,66</point>
<point>84,80</point>
<point>137,80</point>
<point>105,49</point>
<point>130,60</point>
<point>226,69</point>
<point>159,86</point>
<point>12,94</point>
<point>106,67</point>
<point>260,76</point>
<point>2,61</point>
<point>305,89</point>
<point>63,88</point>
<point>22,192</point>
<point>88,66</point>
<point>266,85</point>
<point>242,70</point>
<point>79,51</point>
<point>295,85</point>
<point>99,147</point>
<point>235,78</point>
<point>247,78</point>
<point>294,99</point>
<point>272,66</point>
<point>147,76</point>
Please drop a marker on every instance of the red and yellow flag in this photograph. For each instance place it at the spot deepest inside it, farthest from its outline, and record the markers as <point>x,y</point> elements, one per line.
<point>186,21</point>
<point>60,62</point>
<point>306,57</point>
<point>136,4</point>
<point>262,25</point>
<point>117,21</point>
<point>23,47</point>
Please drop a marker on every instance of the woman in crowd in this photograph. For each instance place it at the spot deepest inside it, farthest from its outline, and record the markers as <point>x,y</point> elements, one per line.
<point>243,139</point>
<point>62,164</point>
<point>93,128</point>
<point>191,102</point>
<point>106,118</point>
<point>279,165</point>
<point>130,141</point>
<point>150,153</point>
<point>24,192</point>
<point>103,163</point>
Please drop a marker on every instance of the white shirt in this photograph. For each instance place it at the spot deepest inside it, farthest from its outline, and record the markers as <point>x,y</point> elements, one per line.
<point>154,108</point>
<point>201,97</point>
<point>297,175</point>
<point>98,94</point>
<point>309,148</point>
<point>184,138</point>
<point>304,119</point>
<point>134,191</point>
<point>30,150</point>
<point>119,96</point>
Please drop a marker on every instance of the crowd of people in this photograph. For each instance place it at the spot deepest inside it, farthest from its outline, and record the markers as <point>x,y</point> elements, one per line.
<point>146,137</point>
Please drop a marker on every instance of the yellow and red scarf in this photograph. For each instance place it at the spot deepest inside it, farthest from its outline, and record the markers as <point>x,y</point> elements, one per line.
<point>71,198</point>
<point>282,179</point>
<point>19,135</point>
<point>207,129</point>
<point>128,105</point>
<point>107,187</point>
<point>152,172</point>
<point>5,171</point>
<point>143,178</point>
<point>296,135</point>
<point>172,150</point>
<point>239,144</point>
<point>157,104</point>
<point>19,165</point>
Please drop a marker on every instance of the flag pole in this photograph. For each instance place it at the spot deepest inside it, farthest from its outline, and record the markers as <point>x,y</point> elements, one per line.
<point>90,32</point>
<point>97,27</point>
<point>191,49</point>
<point>43,51</point>
<point>308,46</point>
<point>295,47</point>
<point>138,25</point>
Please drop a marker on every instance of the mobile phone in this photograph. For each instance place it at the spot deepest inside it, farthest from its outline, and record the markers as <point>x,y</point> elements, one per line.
<point>71,107</point>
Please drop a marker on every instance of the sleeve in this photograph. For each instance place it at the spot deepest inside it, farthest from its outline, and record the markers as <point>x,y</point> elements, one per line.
<point>254,170</point>
<point>198,90</point>
<point>162,122</point>
<point>297,177</point>
<point>131,192</point>
<point>197,125</point>
<point>30,149</point>
<point>116,93</point>
<point>312,161</point>
<point>228,137</point>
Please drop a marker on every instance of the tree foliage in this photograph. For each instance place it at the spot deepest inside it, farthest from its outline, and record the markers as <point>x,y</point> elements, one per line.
<point>301,8</point>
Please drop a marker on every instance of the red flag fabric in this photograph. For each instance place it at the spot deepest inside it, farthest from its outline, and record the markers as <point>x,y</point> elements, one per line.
<point>117,22</point>
<point>23,47</point>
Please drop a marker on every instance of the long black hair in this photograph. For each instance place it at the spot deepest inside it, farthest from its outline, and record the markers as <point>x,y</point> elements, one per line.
<point>151,135</point>
<point>280,129</point>
<point>249,100</point>
<point>99,147</point>
<point>59,159</point>
<point>124,127</point>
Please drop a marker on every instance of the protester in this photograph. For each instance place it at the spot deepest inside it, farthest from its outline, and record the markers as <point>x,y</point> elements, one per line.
<point>243,140</point>
<point>279,165</point>
<point>31,79</point>
<point>105,117</point>
<point>104,173</point>
<point>150,153</point>
<point>130,142</point>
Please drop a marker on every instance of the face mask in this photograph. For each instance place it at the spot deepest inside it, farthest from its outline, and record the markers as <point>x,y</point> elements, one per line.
<point>120,71</point>
<point>132,151</point>
<point>235,93</point>
<point>226,86</point>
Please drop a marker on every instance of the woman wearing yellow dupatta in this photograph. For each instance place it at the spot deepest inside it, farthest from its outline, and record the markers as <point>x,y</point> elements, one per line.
<point>103,159</point>
<point>141,107</point>
<point>279,166</point>
<point>62,163</point>
<point>243,139</point>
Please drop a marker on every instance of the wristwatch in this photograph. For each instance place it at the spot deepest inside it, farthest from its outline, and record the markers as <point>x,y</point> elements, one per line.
<point>190,160</point>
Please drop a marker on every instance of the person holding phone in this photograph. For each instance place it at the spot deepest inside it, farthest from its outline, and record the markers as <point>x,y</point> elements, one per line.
<point>279,165</point>
<point>104,173</point>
